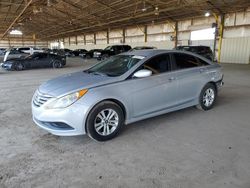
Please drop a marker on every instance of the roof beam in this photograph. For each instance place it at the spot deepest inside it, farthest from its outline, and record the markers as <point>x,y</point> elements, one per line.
<point>26,6</point>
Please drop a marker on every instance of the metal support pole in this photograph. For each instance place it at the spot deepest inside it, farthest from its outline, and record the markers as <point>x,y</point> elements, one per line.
<point>221,30</point>
<point>176,34</point>
<point>123,35</point>
<point>34,39</point>
<point>145,33</point>
<point>108,36</point>
<point>95,38</point>
<point>215,35</point>
<point>84,39</point>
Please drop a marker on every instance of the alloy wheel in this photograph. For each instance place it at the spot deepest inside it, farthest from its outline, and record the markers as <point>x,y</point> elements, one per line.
<point>208,97</point>
<point>106,122</point>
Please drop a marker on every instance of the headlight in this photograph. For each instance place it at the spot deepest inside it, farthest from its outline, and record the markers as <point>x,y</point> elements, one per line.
<point>66,100</point>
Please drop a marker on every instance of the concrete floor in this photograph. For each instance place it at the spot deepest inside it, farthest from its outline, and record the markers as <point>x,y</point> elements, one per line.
<point>185,149</point>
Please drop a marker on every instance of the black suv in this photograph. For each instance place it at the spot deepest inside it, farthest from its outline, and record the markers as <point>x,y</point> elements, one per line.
<point>113,50</point>
<point>204,51</point>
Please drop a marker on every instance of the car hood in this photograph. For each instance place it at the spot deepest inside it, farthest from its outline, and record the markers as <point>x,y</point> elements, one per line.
<point>10,61</point>
<point>72,82</point>
<point>13,60</point>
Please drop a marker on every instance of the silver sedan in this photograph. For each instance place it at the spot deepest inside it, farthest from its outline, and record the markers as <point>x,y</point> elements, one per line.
<point>123,89</point>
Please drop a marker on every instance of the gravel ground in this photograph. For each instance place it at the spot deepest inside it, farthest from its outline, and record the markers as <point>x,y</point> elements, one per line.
<point>185,149</point>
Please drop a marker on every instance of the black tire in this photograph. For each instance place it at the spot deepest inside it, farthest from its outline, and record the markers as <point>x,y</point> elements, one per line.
<point>19,67</point>
<point>57,64</point>
<point>88,56</point>
<point>91,123</point>
<point>207,102</point>
<point>104,56</point>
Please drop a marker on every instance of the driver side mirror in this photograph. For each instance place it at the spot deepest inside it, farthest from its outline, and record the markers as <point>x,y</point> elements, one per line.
<point>142,73</point>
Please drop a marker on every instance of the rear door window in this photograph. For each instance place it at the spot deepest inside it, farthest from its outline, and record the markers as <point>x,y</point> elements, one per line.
<point>119,48</point>
<point>127,48</point>
<point>202,62</point>
<point>42,55</point>
<point>184,61</point>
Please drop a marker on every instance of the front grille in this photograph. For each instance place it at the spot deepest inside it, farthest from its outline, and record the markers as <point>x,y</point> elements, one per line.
<point>40,98</point>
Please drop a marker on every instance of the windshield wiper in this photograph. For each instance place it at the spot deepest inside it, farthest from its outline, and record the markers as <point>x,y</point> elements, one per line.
<point>99,73</point>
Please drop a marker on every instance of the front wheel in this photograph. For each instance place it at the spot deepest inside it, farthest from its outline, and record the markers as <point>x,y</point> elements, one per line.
<point>20,67</point>
<point>57,64</point>
<point>104,121</point>
<point>207,97</point>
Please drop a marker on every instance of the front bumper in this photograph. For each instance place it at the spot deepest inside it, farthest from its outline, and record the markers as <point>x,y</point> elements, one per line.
<point>68,121</point>
<point>219,84</point>
<point>7,66</point>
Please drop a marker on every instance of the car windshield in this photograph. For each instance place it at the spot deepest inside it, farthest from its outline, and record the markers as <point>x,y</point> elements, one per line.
<point>115,65</point>
<point>108,48</point>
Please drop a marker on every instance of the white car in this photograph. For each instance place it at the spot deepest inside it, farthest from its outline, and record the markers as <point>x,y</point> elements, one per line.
<point>29,50</point>
<point>13,53</point>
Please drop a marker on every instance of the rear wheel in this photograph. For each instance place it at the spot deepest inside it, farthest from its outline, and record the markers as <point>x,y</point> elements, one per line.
<point>207,97</point>
<point>88,56</point>
<point>104,121</point>
<point>57,64</point>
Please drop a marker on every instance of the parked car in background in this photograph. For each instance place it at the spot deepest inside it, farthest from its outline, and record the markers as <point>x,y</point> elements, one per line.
<point>124,89</point>
<point>47,50</point>
<point>68,52</point>
<point>29,50</point>
<point>91,53</point>
<point>79,51</point>
<point>60,52</point>
<point>36,60</point>
<point>2,51</point>
<point>14,53</point>
<point>204,51</point>
<point>112,50</point>
<point>143,48</point>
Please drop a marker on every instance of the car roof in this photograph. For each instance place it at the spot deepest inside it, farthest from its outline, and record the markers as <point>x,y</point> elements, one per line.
<point>119,45</point>
<point>147,53</point>
<point>154,52</point>
<point>193,46</point>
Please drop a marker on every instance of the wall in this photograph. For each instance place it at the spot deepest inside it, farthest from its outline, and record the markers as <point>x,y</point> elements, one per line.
<point>236,40</point>
<point>237,29</point>
<point>19,42</point>
<point>158,35</point>
<point>236,50</point>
